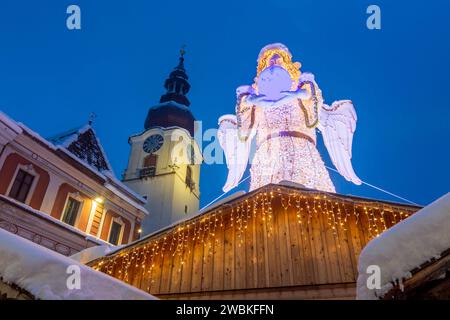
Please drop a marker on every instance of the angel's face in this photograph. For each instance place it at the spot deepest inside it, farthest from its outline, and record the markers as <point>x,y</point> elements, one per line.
<point>272,81</point>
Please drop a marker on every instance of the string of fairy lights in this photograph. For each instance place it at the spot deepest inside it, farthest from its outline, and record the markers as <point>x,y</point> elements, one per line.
<point>176,245</point>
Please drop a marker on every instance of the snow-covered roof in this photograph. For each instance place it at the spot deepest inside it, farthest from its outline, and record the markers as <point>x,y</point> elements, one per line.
<point>11,123</point>
<point>109,177</point>
<point>422,237</point>
<point>62,141</point>
<point>45,274</point>
<point>84,143</point>
<point>67,137</point>
<point>170,103</point>
<point>93,253</point>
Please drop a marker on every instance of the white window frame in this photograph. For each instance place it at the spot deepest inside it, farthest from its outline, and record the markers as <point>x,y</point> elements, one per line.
<point>118,220</point>
<point>28,168</point>
<point>75,196</point>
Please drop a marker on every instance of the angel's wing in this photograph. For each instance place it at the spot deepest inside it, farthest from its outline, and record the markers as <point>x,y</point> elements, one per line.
<point>236,150</point>
<point>337,125</point>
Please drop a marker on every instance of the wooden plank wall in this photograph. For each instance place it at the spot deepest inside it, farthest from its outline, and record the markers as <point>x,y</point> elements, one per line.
<point>276,237</point>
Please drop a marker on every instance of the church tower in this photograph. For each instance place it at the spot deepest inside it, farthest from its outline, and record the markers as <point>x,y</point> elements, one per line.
<point>164,162</point>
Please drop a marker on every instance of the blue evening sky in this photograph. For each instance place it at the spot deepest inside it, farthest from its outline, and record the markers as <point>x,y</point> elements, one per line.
<point>398,77</point>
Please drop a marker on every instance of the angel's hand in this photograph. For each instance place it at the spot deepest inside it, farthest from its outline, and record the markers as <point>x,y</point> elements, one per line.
<point>242,90</point>
<point>299,93</point>
<point>254,99</point>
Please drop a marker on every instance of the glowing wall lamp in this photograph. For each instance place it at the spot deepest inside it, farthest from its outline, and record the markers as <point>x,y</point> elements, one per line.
<point>99,200</point>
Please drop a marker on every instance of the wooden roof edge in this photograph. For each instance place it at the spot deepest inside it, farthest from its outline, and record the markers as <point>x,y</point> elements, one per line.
<point>350,197</point>
<point>426,272</point>
<point>266,188</point>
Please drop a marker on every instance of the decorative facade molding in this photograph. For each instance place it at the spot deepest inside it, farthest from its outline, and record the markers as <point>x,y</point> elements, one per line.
<point>47,233</point>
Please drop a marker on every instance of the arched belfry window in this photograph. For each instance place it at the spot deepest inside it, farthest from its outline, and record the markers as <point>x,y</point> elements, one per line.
<point>150,161</point>
<point>189,180</point>
<point>149,166</point>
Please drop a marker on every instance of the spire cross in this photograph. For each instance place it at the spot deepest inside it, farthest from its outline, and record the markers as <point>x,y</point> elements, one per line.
<point>182,50</point>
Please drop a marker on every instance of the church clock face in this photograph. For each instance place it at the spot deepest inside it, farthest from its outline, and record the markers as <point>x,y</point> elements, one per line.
<point>153,143</point>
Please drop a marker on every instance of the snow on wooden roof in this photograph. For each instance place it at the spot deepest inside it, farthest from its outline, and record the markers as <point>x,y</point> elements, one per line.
<point>92,253</point>
<point>44,274</point>
<point>422,237</point>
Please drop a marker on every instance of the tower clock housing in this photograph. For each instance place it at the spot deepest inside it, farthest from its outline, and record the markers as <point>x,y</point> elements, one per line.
<point>164,163</point>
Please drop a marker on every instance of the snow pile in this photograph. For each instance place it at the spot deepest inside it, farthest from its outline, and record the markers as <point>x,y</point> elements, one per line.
<point>93,253</point>
<point>406,246</point>
<point>44,274</point>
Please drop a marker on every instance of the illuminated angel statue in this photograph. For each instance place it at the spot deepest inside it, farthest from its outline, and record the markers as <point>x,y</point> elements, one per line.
<point>282,110</point>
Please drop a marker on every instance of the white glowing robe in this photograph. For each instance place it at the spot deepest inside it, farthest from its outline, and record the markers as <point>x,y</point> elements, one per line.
<point>285,146</point>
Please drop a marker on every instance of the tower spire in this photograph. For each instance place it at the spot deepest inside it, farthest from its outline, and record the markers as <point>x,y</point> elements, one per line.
<point>177,85</point>
<point>172,109</point>
<point>181,58</point>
